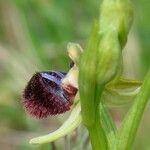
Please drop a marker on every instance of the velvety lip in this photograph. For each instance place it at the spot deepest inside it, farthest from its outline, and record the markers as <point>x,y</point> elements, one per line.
<point>45,96</point>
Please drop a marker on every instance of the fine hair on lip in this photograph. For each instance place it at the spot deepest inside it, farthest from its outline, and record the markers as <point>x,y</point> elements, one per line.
<point>44,95</point>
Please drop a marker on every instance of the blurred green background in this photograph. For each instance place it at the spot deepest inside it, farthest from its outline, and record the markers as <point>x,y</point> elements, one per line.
<point>33,37</point>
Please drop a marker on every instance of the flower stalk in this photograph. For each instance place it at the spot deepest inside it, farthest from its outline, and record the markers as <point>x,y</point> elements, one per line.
<point>100,63</point>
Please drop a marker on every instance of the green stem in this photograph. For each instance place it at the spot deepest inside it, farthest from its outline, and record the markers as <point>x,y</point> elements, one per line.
<point>97,136</point>
<point>108,126</point>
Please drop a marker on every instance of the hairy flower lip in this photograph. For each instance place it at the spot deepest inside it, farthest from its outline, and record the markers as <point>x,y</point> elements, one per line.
<point>44,94</point>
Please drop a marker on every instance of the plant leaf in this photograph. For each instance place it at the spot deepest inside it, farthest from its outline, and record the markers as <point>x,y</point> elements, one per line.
<point>127,131</point>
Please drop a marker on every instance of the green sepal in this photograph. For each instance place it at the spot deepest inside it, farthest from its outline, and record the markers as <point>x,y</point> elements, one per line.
<point>121,92</point>
<point>69,125</point>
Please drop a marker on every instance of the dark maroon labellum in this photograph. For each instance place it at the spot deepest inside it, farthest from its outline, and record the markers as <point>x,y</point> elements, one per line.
<point>44,95</point>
